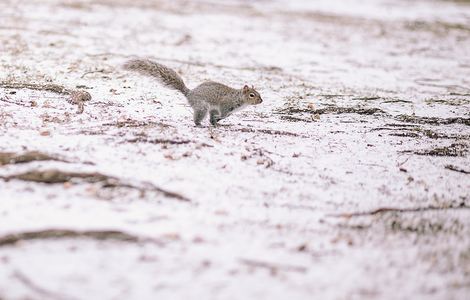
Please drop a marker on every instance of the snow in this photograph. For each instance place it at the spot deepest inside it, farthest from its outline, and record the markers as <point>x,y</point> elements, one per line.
<point>263,217</point>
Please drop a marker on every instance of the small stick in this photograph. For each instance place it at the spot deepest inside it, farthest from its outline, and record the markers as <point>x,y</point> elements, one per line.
<point>12,239</point>
<point>402,210</point>
<point>456,169</point>
<point>272,267</point>
<point>40,290</point>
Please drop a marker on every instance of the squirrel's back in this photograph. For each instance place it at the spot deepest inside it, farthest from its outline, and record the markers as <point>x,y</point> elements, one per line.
<point>164,74</point>
<point>212,92</point>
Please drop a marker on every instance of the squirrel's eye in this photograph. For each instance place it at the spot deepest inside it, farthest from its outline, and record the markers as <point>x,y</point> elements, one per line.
<point>252,95</point>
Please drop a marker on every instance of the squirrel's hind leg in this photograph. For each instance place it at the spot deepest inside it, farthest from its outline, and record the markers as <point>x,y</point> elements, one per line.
<point>199,115</point>
<point>215,117</point>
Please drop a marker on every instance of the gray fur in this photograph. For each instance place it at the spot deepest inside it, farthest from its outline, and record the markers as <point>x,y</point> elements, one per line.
<point>166,75</point>
<point>216,98</point>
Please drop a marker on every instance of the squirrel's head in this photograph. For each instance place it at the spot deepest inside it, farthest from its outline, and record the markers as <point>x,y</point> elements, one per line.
<point>251,96</point>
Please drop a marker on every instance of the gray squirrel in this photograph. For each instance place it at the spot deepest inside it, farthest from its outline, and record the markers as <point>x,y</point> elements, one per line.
<point>217,99</point>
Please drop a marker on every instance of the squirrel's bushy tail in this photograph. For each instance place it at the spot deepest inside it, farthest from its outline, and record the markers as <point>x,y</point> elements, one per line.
<point>164,74</point>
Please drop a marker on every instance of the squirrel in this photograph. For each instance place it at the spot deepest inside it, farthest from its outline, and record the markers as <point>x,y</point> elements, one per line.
<point>213,97</point>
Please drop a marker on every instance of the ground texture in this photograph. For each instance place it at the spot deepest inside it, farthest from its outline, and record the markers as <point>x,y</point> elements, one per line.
<point>350,181</point>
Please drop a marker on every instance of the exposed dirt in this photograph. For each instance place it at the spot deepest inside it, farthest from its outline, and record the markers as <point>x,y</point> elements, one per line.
<point>66,234</point>
<point>57,176</point>
<point>454,149</point>
<point>433,120</point>
<point>75,97</point>
<point>7,158</point>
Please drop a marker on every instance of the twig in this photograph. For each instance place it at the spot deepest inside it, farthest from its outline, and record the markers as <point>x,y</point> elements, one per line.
<point>460,94</point>
<point>7,100</point>
<point>149,186</point>
<point>134,123</point>
<point>403,162</point>
<point>40,290</point>
<point>56,176</point>
<point>272,267</point>
<point>166,142</point>
<point>95,71</point>
<point>267,131</point>
<point>12,239</point>
<point>456,169</point>
<point>401,210</point>
<point>158,141</point>
<point>367,98</point>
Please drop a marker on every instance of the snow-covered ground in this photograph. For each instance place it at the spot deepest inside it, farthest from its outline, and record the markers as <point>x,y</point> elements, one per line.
<point>350,181</point>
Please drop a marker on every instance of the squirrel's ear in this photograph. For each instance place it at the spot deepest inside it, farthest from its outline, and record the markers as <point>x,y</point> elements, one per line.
<point>245,88</point>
